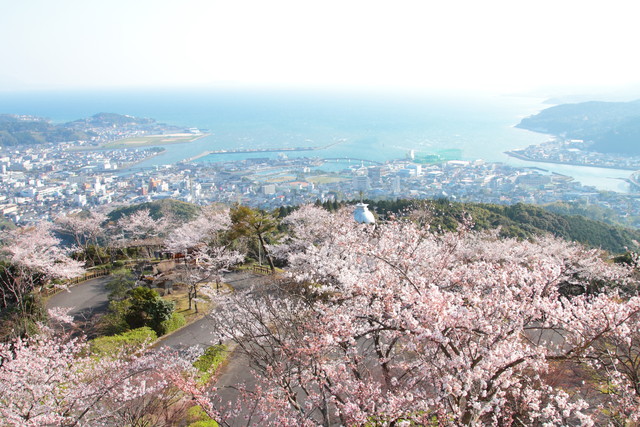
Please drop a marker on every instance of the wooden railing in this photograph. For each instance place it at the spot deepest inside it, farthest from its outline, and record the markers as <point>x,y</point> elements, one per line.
<point>260,269</point>
<point>91,274</point>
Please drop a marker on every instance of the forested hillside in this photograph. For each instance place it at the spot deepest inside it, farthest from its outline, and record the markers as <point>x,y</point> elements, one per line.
<point>613,127</point>
<point>520,220</point>
<point>26,130</point>
<point>175,209</point>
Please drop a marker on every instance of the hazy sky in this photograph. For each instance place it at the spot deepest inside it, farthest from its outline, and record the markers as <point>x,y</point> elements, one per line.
<point>509,45</point>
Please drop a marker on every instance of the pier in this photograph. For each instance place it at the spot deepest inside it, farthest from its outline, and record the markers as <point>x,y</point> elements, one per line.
<point>249,150</point>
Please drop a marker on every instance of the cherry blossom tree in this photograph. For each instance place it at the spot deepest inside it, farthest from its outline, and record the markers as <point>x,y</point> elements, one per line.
<point>86,228</point>
<point>139,229</point>
<point>53,379</point>
<point>205,256</point>
<point>32,258</point>
<point>614,359</point>
<point>307,226</point>
<point>401,325</point>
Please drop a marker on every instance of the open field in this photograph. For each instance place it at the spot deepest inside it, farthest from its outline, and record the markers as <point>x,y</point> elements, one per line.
<point>152,140</point>
<point>278,179</point>
<point>325,179</point>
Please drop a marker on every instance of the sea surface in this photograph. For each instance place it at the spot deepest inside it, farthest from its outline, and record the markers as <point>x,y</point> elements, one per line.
<point>370,126</point>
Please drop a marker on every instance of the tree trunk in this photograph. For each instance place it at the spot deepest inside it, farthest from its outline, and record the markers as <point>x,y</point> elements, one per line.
<point>266,254</point>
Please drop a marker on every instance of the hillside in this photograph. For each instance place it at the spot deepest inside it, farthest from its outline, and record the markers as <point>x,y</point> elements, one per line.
<point>28,130</point>
<point>170,208</point>
<point>522,221</point>
<point>613,127</point>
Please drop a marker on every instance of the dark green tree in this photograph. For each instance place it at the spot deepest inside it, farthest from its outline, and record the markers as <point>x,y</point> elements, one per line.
<point>247,222</point>
<point>147,308</point>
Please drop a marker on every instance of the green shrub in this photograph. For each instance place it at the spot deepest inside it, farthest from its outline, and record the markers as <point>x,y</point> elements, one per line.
<point>207,423</point>
<point>121,282</point>
<point>129,342</point>
<point>147,308</point>
<point>197,417</point>
<point>176,321</point>
<point>210,360</point>
<point>114,322</point>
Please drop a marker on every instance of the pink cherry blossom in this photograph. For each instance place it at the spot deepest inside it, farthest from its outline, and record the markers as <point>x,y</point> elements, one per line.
<point>394,323</point>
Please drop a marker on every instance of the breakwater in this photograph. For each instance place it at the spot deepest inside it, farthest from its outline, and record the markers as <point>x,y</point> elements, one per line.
<point>259,150</point>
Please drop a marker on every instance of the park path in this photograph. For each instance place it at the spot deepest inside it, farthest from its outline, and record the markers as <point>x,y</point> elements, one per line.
<point>90,298</point>
<point>200,332</point>
<point>86,299</point>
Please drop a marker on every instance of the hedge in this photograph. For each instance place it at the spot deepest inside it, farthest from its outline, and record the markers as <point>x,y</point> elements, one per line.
<point>176,321</point>
<point>129,341</point>
<point>209,361</point>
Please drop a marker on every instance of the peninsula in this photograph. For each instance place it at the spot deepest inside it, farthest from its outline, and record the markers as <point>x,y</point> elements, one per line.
<point>100,131</point>
<point>598,134</point>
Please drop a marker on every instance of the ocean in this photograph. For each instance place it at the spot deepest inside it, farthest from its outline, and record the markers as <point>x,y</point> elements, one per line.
<point>372,126</point>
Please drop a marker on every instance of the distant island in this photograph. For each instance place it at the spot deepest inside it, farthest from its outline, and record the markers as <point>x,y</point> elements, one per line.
<point>101,131</point>
<point>604,127</point>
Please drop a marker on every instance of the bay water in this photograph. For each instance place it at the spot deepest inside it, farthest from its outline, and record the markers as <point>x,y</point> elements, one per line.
<point>374,126</point>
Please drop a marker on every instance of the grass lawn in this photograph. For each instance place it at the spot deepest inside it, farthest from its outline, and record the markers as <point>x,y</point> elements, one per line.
<point>180,296</point>
<point>181,299</point>
<point>281,179</point>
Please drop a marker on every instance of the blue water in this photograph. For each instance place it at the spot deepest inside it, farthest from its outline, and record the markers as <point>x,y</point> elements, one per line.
<point>373,126</point>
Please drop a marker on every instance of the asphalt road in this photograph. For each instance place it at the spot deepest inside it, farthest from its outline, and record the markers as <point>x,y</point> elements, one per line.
<point>91,297</point>
<point>200,332</point>
<point>87,299</point>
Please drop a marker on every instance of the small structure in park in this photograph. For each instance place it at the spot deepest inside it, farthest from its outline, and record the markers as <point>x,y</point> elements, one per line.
<point>363,215</point>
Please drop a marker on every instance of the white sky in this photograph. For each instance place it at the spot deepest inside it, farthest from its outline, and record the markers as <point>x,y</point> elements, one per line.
<point>502,45</point>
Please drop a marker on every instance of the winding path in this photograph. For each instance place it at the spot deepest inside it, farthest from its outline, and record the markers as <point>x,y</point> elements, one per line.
<point>200,332</point>
<point>90,298</point>
<point>86,299</point>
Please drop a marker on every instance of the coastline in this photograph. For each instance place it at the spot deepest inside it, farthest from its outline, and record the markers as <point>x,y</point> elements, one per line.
<point>524,157</point>
<point>129,166</point>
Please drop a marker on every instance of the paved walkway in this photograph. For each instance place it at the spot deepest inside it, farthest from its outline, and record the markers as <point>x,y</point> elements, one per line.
<point>91,297</point>
<point>87,299</point>
<point>200,332</point>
